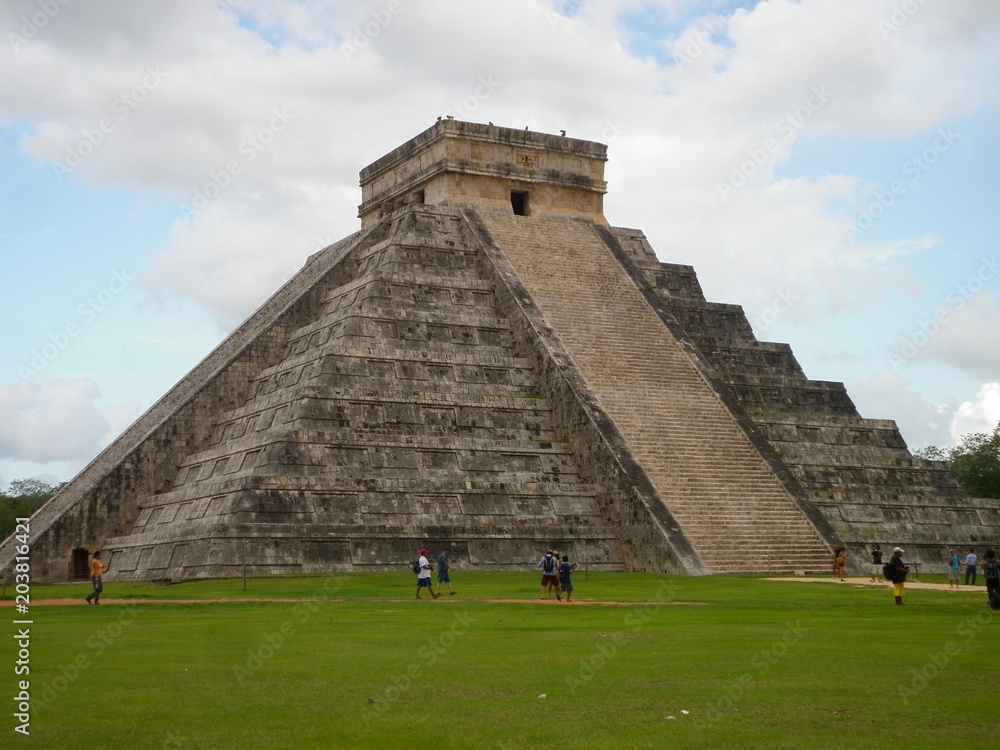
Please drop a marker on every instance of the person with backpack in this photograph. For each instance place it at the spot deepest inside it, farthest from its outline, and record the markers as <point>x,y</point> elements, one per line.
<point>895,570</point>
<point>550,578</point>
<point>423,569</point>
<point>991,572</point>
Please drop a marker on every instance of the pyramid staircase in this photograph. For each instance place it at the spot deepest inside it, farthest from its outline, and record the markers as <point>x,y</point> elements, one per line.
<point>857,471</point>
<point>726,498</point>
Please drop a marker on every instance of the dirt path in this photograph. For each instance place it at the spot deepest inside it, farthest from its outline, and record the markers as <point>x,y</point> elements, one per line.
<point>110,600</point>
<point>575,602</point>
<point>860,581</point>
<point>981,590</point>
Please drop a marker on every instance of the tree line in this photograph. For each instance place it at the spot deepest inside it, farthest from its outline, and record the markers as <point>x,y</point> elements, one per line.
<point>974,462</point>
<point>22,498</point>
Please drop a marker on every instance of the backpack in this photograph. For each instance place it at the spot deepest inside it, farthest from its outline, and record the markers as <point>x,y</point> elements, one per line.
<point>417,566</point>
<point>991,569</point>
<point>889,571</point>
<point>548,565</point>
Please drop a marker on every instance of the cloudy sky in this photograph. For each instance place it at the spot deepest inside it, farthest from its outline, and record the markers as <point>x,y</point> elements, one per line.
<point>831,165</point>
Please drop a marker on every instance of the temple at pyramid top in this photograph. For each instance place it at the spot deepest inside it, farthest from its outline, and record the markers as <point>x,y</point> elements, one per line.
<point>457,162</point>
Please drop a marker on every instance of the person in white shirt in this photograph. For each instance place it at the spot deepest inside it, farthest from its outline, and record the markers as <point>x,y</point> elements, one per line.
<point>970,567</point>
<point>424,576</point>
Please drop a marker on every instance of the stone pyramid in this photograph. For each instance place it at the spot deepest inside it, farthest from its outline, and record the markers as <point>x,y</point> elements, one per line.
<point>488,365</point>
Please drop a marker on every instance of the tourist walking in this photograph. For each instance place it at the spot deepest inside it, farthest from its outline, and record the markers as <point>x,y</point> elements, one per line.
<point>970,567</point>
<point>898,569</point>
<point>424,575</point>
<point>839,558</point>
<point>876,558</point>
<point>444,571</point>
<point>991,572</point>
<point>953,566</point>
<point>550,578</point>
<point>96,579</point>
<point>565,569</point>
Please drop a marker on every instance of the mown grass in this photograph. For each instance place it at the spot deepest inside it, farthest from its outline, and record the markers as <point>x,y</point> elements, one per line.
<point>736,661</point>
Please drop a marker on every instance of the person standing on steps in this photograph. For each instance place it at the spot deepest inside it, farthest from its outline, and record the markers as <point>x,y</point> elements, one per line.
<point>899,570</point>
<point>970,567</point>
<point>96,579</point>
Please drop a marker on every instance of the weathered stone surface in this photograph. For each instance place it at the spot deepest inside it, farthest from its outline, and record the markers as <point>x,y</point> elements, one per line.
<point>488,365</point>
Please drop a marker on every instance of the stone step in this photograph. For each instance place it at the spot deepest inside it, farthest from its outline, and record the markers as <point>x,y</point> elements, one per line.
<point>378,441</point>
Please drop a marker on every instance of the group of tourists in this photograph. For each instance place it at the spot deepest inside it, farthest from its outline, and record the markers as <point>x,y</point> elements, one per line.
<point>895,570</point>
<point>971,563</point>
<point>423,569</point>
<point>556,574</point>
<point>991,572</point>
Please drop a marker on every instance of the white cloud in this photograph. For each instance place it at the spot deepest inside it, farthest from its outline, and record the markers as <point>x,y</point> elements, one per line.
<point>55,421</point>
<point>968,336</point>
<point>356,83</point>
<point>981,415</point>
<point>889,396</point>
<point>236,258</point>
<point>686,127</point>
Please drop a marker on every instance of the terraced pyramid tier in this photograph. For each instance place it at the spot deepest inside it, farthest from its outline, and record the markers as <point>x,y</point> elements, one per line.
<point>399,418</point>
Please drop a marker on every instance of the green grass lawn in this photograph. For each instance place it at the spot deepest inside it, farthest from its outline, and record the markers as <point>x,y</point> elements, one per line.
<point>713,662</point>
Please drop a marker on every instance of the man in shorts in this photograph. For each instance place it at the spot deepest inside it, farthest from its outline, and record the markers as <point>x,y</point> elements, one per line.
<point>565,582</point>
<point>550,578</point>
<point>876,558</point>
<point>953,567</point>
<point>444,571</point>
<point>424,576</point>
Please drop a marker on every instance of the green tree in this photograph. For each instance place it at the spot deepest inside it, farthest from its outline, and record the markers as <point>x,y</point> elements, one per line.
<point>975,462</point>
<point>931,453</point>
<point>22,498</point>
